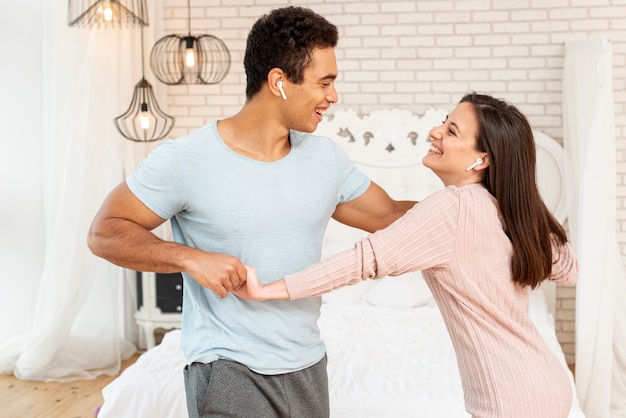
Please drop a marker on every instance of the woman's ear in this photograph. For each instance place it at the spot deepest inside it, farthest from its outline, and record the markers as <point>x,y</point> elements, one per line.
<point>480,164</point>
<point>485,163</point>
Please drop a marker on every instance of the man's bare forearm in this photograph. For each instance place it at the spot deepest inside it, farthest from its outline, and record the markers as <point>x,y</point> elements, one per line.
<point>129,245</point>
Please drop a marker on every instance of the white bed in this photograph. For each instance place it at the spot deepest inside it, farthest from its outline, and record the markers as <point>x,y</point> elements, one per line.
<point>389,354</point>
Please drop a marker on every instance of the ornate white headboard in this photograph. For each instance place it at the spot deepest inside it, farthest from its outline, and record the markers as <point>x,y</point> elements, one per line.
<point>388,145</point>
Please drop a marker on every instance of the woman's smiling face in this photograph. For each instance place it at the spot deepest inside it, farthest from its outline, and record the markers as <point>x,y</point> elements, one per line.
<point>453,148</point>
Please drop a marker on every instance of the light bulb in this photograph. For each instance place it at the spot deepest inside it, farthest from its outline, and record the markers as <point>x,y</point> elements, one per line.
<point>106,10</point>
<point>108,13</point>
<point>145,120</point>
<point>145,117</point>
<point>190,58</point>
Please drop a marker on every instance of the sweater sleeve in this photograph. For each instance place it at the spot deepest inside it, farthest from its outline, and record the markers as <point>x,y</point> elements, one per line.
<point>424,237</point>
<point>565,266</point>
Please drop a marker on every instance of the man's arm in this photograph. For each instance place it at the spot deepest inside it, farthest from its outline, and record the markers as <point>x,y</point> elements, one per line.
<point>373,210</point>
<point>121,233</point>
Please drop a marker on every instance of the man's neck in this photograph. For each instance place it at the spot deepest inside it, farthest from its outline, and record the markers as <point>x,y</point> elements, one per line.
<point>255,133</point>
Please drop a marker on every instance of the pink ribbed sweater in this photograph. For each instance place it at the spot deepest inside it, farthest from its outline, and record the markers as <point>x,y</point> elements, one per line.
<point>456,238</point>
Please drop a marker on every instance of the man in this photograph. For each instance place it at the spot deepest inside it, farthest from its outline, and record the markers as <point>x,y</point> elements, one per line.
<point>251,189</point>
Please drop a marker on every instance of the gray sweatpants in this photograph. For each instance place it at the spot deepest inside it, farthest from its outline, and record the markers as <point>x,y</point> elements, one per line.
<point>229,389</point>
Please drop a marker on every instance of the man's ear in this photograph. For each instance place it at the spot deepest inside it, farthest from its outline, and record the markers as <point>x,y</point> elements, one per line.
<point>275,76</point>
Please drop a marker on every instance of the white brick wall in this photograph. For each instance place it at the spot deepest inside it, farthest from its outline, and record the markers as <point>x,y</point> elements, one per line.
<point>417,54</point>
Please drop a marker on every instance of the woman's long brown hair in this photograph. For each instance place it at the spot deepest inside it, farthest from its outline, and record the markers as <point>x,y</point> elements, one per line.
<point>506,136</point>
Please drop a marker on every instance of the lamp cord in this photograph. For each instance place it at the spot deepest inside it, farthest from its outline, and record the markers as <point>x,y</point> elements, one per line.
<point>189,17</point>
<point>142,58</point>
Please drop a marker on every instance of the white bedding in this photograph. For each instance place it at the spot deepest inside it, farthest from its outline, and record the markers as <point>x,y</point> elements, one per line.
<point>383,362</point>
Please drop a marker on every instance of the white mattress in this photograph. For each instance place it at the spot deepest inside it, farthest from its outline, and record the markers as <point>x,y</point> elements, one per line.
<point>383,362</point>
<point>388,362</point>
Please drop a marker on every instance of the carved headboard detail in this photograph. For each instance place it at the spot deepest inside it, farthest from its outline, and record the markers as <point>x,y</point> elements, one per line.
<point>384,139</point>
<point>387,137</point>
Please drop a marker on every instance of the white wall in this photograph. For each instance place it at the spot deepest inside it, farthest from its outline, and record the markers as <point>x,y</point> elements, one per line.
<point>22,236</point>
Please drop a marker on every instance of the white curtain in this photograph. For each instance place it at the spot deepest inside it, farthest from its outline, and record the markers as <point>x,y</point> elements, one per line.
<point>589,141</point>
<point>618,390</point>
<point>83,320</point>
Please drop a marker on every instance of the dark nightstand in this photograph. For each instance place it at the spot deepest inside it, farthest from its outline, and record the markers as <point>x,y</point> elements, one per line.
<point>159,302</point>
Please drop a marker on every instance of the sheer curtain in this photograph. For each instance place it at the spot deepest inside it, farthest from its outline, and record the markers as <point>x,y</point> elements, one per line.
<point>83,321</point>
<point>589,140</point>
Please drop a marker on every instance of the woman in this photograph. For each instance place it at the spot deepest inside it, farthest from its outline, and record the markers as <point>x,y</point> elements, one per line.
<point>482,244</point>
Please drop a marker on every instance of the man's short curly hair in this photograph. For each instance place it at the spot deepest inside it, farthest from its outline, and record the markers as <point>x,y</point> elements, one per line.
<point>285,38</point>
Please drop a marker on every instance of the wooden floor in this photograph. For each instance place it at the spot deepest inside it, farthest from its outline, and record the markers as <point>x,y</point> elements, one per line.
<point>30,399</point>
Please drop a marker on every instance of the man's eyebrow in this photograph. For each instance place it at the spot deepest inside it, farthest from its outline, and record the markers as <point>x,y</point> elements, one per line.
<point>329,77</point>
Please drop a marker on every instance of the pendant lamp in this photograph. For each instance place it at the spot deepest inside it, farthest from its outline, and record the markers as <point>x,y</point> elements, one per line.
<point>89,13</point>
<point>201,59</point>
<point>144,121</point>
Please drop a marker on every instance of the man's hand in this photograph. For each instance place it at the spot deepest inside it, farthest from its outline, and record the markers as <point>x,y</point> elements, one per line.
<point>219,272</point>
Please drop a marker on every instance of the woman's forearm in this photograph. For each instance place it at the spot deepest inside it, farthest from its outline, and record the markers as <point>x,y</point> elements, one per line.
<point>254,290</point>
<point>274,290</point>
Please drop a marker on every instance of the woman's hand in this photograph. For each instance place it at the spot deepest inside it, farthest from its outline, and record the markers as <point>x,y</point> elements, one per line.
<point>252,289</point>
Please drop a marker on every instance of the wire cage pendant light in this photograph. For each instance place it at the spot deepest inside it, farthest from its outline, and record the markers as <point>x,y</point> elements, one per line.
<point>107,13</point>
<point>177,59</point>
<point>144,121</point>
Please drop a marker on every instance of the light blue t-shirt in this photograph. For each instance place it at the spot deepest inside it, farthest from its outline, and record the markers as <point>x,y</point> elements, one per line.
<point>271,215</point>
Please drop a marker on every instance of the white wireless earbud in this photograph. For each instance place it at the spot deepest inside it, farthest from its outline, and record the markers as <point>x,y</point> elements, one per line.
<point>477,162</point>
<point>279,84</point>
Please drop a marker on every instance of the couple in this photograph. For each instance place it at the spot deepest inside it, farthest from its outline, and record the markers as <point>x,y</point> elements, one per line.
<point>256,189</point>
